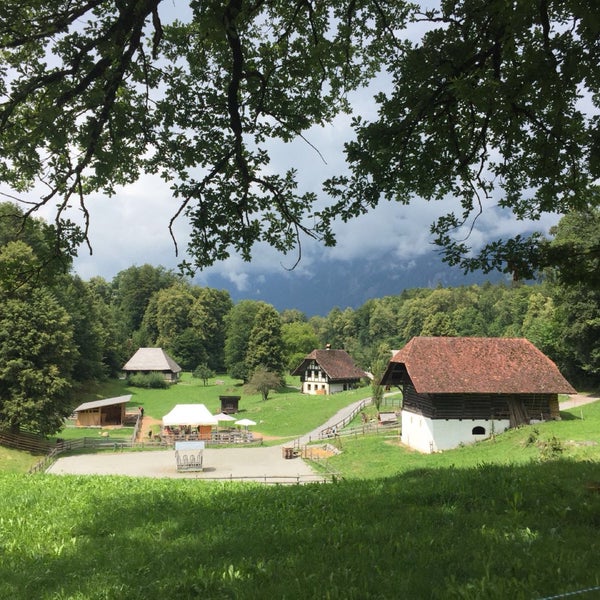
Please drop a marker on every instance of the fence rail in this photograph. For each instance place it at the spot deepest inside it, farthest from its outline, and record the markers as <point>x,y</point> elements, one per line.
<point>25,441</point>
<point>341,430</point>
<point>327,432</point>
<point>370,428</point>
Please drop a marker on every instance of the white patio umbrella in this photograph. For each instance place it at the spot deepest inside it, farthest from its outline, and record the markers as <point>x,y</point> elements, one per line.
<point>223,417</point>
<point>245,423</point>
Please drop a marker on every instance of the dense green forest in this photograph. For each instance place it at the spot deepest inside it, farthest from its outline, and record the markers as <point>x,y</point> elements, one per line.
<point>58,332</point>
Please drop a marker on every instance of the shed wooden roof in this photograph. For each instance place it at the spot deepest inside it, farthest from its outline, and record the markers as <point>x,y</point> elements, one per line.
<point>151,359</point>
<point>103,403</point>
<point>337,364</point>
<point>453,365</point>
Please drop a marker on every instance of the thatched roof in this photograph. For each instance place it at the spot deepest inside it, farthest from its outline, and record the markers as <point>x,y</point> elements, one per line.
<point>454,365</point>
<point>103,403</point>
<point>337,364</point>
<point>151,359</point>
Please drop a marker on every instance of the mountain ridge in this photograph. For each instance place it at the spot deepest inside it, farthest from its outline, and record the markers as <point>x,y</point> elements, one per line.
<point>349,283</point>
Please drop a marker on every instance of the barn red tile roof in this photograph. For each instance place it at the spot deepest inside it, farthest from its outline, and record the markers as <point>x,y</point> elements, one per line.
<point>451,365</point>
<point>337,364</point>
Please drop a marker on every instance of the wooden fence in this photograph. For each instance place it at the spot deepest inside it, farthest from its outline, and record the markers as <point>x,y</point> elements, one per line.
<point>341,429</point>
<point>25,441</point>
<point>86,442</point>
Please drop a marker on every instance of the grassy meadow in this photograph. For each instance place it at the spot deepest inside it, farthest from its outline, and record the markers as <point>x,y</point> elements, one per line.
<point>285,415</point>
<point>515,517</point>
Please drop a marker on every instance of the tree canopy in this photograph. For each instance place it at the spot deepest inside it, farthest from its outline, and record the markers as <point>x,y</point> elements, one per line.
<point>496,103</point>
<point>37,347</point>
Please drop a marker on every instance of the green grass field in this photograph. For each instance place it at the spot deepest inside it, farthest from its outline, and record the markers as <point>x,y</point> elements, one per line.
<point>514,517</point>
<point>382,456</point>
<point>286,414</point>
<point>14,461</point>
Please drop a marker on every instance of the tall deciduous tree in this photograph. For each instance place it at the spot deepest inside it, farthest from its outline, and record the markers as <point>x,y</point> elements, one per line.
<point>88,334</point>
<point>265,345</point>
<point>48,259</point>
<point>576,295</point>
<point>239,324</point>
<point>378,367</point>
<point>100,92</point>
<point>133,289</point>
<point>173,306</point>
<point>299,338</point>
<point>37,351</point>
<point>115,350</point>
<point>207,318</point>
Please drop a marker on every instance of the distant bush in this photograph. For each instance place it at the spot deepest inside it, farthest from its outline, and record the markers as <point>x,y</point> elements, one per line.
<point>149,380</point>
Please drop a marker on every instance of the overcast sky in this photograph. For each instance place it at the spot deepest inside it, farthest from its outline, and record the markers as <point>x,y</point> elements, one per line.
<point>131,228</point>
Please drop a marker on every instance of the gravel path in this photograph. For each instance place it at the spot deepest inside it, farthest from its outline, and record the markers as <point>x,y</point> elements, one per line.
<point>578,400</point>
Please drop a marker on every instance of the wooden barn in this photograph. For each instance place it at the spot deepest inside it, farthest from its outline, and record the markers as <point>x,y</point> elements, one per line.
<point>328,371</point>
<point>460,390</point>
<point>102,413</point>
<point>153,360</point>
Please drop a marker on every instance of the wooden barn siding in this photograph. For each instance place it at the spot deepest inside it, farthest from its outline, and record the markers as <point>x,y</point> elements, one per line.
<point>89,418</point>
<point>420,404</point>
<point>478,406</point>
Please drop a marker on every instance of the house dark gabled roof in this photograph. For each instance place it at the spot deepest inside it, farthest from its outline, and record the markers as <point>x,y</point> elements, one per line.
<point>454,365</point>
<point>151,359</point>
<point>337,364</point>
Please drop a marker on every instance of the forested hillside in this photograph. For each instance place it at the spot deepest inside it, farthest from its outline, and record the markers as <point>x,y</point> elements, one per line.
<point>58,332</point>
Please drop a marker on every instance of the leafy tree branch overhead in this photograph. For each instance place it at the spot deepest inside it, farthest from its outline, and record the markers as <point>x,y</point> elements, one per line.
<point>496,101</point>
<point>97,93</point>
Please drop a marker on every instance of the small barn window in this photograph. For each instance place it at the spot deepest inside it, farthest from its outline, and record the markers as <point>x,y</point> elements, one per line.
<point>479,430</point>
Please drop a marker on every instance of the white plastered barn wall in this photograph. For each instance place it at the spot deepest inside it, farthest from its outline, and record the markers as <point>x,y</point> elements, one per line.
<point>432,435</point>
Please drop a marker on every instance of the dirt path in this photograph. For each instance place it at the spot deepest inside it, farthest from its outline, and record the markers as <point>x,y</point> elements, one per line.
<point>579,400</point>
<point>147,423</point>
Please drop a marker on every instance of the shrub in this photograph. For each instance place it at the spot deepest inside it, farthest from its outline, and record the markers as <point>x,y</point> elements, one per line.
<point>149,380</point>
<point>551,449</point>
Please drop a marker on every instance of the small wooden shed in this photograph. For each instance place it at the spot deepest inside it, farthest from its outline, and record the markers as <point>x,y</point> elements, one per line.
<point>100,413</point>
<point>229,404</point>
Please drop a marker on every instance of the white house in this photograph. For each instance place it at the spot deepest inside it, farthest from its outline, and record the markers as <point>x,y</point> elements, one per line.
<point>327,372</point>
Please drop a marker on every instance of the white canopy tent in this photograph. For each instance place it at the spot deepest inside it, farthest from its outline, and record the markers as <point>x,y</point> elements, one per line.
<point>189,414</point>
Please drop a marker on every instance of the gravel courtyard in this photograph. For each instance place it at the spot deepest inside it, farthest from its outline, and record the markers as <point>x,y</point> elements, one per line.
<point>257,464</point>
